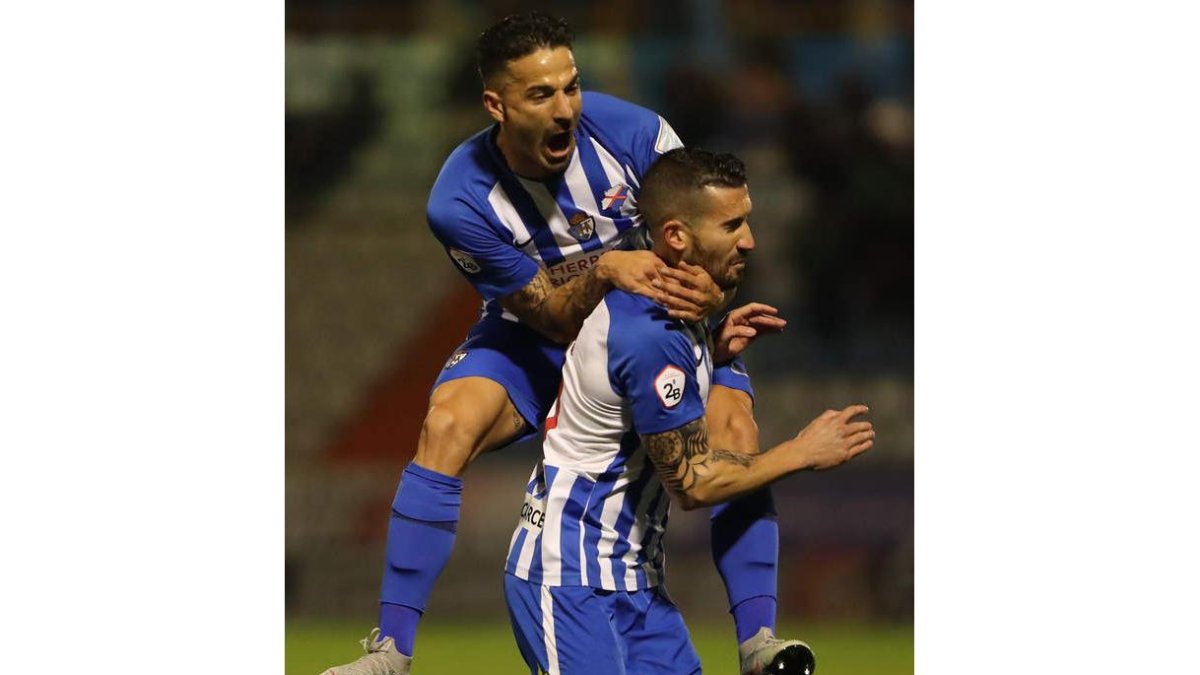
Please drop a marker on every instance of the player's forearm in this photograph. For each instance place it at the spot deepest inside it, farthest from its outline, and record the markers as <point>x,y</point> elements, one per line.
<point>558,313</point>
<point>739,474</point>
<point>570,304</point>
<point>698,474</point>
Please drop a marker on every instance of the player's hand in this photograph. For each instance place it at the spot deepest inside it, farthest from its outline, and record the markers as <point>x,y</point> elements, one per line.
<point>691,294</point>
<point>834,437</point>
<point>634,271</point>
<point>741,327</point>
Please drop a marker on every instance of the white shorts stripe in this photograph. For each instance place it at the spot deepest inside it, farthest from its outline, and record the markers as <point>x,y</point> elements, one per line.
<point>548,632</point>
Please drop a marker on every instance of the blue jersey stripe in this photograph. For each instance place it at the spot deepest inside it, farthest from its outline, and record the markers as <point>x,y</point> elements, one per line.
<point>652,537</point>
<point>633,495</point>
<point>570,534</point>
<point>598,180</point>
<point>595,509</point>
<point>539,229</point>
<point>562,196</point>
<point>535,564</point>
<point>515,553</point>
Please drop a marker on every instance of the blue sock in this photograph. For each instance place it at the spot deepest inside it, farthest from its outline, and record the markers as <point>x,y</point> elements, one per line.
<point>745,548</point>
<point>420,539</point>
<point>751,615</point>
<point>400,622</point>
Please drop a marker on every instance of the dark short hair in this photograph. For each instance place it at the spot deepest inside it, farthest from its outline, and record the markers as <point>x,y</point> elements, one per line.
<point>519,35</point>
<point>681,172</point>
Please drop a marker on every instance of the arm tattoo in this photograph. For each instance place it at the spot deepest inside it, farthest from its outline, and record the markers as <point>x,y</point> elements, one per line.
<point>557,313</point>
<point>683,458</point>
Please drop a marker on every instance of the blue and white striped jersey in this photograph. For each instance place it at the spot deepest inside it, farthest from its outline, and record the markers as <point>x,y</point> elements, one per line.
<point>498,227</point>
<point>595,510</point>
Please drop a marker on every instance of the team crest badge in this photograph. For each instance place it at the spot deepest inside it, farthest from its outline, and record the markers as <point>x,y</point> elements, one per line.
<point>614,197</point>
<point>582,226</point>
<point>454,359</point>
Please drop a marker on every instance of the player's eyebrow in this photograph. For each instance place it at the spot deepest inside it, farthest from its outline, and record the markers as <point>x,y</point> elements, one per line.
<point>549,90</point>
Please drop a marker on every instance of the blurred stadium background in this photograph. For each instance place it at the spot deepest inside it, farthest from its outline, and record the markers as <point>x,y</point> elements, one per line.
<point>816,96</point>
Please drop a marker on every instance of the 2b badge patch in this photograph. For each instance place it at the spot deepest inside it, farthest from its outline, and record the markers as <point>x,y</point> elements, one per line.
<point>669,386</point>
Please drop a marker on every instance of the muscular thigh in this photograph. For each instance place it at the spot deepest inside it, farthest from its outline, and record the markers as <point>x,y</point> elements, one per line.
<point>466,417</point>
<point>494,389</point>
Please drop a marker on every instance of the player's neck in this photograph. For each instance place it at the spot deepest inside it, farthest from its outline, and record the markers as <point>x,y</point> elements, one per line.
<point>668,255</point>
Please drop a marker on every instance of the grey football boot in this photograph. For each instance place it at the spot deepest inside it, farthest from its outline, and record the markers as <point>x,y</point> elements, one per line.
<point>381,659</point>
<point>764,653</point>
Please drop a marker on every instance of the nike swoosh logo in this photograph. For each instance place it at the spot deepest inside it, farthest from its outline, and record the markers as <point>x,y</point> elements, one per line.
<point>522,244</point>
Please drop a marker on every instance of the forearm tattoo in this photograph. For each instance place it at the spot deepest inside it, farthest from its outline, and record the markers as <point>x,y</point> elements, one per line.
<point>683,458</point>
<point>558,313</point>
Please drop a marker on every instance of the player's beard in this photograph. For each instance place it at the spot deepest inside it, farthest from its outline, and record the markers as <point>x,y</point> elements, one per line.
<point>722,267</point>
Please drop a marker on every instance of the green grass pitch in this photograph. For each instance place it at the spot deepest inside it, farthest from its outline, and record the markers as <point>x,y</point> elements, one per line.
<point>488,649</point>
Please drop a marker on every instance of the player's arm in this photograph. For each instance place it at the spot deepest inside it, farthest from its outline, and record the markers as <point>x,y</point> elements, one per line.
<point>729,416</point>
<point>559,312</point>
<point>699,474</point>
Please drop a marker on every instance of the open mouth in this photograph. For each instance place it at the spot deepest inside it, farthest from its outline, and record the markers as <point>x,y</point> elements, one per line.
<point>559,143</point>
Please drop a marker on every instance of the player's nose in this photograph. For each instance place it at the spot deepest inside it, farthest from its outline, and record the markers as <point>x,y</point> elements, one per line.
<point>746,241</point>
<point>562,108</point>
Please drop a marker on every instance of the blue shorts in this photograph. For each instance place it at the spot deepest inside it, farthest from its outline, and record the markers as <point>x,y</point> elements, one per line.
<point>579,630</point>
<point>529,367</point>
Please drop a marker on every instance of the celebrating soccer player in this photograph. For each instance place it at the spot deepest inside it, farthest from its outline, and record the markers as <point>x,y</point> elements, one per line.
<point>585,570</point>
<point>539,212</point>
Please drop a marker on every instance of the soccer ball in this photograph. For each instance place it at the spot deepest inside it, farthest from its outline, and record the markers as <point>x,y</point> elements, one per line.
<point>793,660</point>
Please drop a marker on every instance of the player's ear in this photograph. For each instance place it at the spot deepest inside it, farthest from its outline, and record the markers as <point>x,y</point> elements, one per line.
<point>493,105</point>
<point>676,235</point>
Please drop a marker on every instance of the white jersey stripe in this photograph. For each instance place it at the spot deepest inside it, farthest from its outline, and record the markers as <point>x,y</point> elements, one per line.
<point>555,219</point>
<point>548,631</point>
<point>608,537</point>
<point>556,499</point>
<point>638,530</point>
<point>585,199</point>
<point>509,218</point>
<point>612,169</point>
<point>632,176</point>
<point>526,556</point>
<point>667,138</point>
<point>583,557</point>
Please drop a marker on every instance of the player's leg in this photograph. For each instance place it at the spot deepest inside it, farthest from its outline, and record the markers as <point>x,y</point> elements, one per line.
<point>657,639</point>
<point>495,389</point>
<point>466,417</point>
<point>745,540</point>
<point>745,534</point>
<point>564,630</point>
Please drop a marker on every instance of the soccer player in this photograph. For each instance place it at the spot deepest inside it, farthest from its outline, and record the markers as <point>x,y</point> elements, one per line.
<point>585,572</point>
<point>536,212</point>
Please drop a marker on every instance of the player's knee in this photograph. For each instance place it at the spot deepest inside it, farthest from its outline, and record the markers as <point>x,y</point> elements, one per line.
<point>447,442</point>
